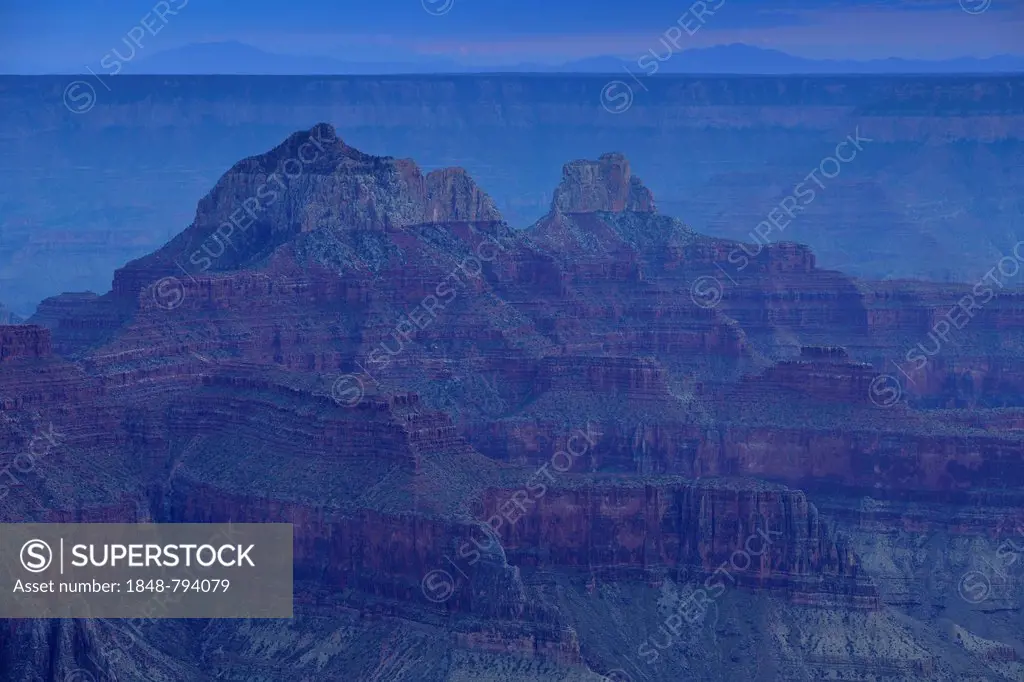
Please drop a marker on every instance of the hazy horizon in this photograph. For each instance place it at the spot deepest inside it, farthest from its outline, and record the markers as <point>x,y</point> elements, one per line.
<point>50,37</point>
<point>232,58</point>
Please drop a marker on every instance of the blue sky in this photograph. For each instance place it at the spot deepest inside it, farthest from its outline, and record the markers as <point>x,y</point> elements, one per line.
<point>56,34</point>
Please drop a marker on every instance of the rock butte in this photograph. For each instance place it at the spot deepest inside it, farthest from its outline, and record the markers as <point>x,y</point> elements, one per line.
<point>707,422</point>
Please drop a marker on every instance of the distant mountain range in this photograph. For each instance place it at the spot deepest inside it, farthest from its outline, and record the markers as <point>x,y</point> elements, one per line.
<point>233,58</point>
<point>749,60</point>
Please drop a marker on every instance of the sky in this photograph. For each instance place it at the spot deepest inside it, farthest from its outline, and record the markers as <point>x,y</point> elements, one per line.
<point>57,35</point>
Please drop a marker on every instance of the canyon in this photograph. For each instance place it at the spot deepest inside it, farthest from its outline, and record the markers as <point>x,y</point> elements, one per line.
<point>570,429</point>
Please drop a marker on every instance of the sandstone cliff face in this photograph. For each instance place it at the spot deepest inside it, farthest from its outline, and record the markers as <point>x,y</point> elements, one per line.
<point>222,401</point>
<point>636,532</point>
<point>24,341</point>
<point>604,185</point>
<point>835,380</point>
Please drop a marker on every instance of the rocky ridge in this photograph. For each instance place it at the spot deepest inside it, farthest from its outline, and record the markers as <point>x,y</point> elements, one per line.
<point>701,421</point>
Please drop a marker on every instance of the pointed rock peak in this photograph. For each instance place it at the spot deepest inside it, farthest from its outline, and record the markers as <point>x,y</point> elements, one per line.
<point>318,146</point>
<point>312,181</point>
<point>323,130</point>
<point>603,185</point>
<point>322,135</point>
<point>394,191</point>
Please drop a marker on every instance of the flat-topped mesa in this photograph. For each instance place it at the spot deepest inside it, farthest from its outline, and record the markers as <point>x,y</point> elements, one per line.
<point>821,373</point>
<point>790,257</point>
<point>24,341</point>
<point>602,185</point>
